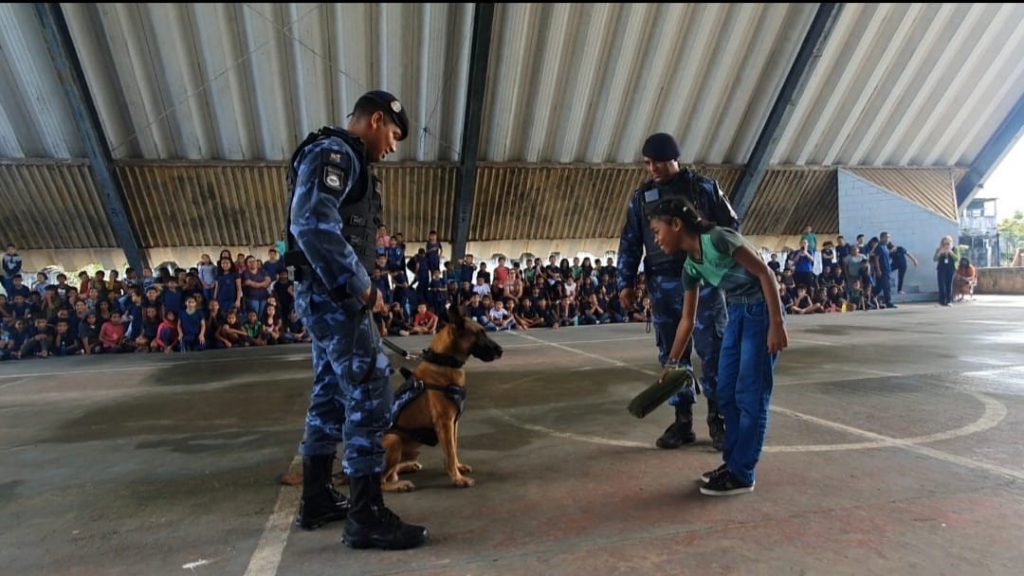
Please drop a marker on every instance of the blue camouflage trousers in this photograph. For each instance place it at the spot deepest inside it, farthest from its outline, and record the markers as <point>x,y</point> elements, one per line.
<point>667,303</point>
<point>351,399</point>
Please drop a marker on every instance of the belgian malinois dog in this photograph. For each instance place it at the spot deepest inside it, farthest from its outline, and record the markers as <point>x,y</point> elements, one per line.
<point>428,405</point>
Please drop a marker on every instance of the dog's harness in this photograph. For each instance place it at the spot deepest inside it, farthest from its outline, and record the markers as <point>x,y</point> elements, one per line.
<point>413,387</point>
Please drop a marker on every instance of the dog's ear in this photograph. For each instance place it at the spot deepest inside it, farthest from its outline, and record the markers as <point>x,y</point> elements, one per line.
<point>456,317</point>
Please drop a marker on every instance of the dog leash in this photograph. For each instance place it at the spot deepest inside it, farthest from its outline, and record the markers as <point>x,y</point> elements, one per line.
<point>399,350</point>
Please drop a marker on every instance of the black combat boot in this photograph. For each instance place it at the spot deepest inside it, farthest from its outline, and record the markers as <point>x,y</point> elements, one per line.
<point>679,432</point>
<point>371,525</point>
<point>716,425</point>
<point>320,503</point>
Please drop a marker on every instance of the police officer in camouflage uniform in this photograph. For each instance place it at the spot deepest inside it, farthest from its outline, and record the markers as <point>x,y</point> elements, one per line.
<point>664,281</point>
<point>333,219</point>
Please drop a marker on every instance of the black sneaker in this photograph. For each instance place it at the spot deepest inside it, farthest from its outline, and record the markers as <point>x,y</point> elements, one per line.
<point>708,476</point>
<point>726,484</point>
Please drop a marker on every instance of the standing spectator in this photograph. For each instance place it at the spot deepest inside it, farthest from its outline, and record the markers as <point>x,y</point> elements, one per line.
<point>576,270</point>
<point>192,327</point>
<point>945,260</point>
<point>804,265</point>
<point>239,263</point>
<point>62,286</point>
<point>884,269</point>
<point>774,264</point>
<point>466,269</point>
<point>842,250</point>
<point>570,287</point>
<point>514,286</point>
<point>588,268</point>
<point>899,264</point>
<point>11,267</point>
<point>148,280</point>
<point>228,288</point>
<point>564,269</point>
<point>811,238</point>
<point>483,273</point>
<point>437,298</point>
<point>255,282</point>
<point>396,254</point>
<point>172,297</point>
<point>273,264</point>
<point>207,275</point>
<point>403,294</point>
<point>422,270</point>
<point>855,267</point>
<point>828,255</point>
<point>501,273</point>
<point>434,251</point>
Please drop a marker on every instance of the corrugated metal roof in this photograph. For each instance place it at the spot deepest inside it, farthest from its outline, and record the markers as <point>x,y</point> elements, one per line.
<point>52,205</point>
<point>931,188</point>
<point>909,84</point>
<point>792,198</point>
<point>898,84</point>
<point>249,81</point>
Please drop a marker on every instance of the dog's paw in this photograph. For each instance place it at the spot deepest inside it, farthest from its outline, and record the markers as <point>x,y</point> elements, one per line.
<point>464,481</point>
<point>400,486</point>
<point>410,467</point>
<point>465,468</point>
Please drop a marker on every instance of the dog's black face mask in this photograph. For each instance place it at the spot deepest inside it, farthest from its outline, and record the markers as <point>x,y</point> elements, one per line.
<point>482,346</point>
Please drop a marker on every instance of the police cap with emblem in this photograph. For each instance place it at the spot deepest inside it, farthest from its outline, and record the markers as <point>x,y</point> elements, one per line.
<point>389,105</point>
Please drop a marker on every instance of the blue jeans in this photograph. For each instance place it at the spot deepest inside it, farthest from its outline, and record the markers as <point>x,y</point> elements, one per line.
<point>257,306</point>
<point>887,289</point>
<point>746,373</point>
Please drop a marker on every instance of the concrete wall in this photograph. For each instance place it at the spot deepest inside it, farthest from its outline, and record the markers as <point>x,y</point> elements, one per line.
<point>1000,281</point>
<point>865,208</point>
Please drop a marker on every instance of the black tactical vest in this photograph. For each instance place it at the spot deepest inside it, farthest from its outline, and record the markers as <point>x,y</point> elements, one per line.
<point>683,185</point>
<point>361,209</point>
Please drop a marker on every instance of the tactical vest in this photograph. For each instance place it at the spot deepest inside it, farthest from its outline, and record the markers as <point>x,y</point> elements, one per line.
<point>683,185</point>
<point>360,211</point>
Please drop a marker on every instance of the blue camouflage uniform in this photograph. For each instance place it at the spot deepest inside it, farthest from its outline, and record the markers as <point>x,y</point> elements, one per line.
<point>351,398</point>
<point>664,274</point>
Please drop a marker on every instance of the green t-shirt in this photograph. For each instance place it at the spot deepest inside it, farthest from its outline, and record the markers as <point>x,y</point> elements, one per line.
<point>718,267</point>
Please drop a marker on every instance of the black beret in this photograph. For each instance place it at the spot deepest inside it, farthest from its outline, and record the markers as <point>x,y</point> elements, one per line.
<point>387,103</point>
<point>661,147</point>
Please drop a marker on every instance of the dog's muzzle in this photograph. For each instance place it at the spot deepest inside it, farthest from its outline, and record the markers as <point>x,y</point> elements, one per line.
<point>487,352</point>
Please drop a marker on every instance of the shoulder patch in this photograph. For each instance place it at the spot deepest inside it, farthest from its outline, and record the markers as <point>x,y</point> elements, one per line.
<point>334,177</point>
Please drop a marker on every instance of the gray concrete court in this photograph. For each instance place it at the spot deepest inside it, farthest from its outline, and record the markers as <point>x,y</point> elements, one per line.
<point>894,448</point>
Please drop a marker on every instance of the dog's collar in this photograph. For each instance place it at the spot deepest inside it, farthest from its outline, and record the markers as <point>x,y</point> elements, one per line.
<point>445,360</point>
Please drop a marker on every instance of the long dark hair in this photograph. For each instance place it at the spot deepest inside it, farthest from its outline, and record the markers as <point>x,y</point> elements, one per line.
<point>674,208</point>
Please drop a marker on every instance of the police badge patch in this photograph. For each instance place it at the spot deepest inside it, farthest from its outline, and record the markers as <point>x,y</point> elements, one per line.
<point>334,178</point>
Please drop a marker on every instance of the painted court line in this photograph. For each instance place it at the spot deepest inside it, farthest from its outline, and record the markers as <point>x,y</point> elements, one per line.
<point>267,556</point>
<point>543,343</point>
<point>995,412</point>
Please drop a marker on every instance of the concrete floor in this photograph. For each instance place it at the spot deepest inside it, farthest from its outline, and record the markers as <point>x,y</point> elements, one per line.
<point>894,448</point>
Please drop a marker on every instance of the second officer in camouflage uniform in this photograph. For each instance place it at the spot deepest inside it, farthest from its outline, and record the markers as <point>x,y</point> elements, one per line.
<point>664,280</point>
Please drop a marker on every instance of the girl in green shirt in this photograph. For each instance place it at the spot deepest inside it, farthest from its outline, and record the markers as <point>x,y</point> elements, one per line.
<point>756,332</point>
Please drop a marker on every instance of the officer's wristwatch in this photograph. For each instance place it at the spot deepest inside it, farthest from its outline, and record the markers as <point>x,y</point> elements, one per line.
<point>673,363</point>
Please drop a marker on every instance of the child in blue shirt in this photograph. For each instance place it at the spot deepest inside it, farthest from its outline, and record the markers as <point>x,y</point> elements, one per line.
<point>192,327</point>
